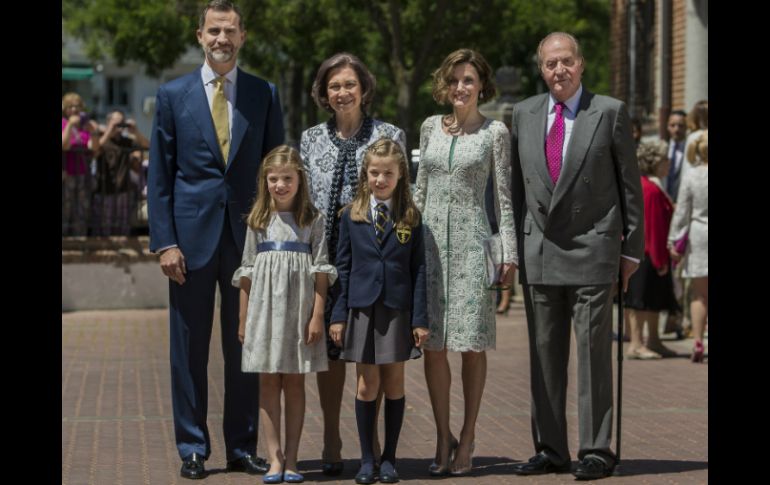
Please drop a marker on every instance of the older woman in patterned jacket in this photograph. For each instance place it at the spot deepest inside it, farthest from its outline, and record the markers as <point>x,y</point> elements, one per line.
<point>333,152</point>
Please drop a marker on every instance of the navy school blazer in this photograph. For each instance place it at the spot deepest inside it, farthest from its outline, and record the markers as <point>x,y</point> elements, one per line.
<point>395,270</point>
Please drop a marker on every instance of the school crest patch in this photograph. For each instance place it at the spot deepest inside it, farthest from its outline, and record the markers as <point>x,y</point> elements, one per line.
<point>403,234</point>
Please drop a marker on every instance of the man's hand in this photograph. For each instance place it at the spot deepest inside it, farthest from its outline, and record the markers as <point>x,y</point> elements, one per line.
<point>420,336</point>
<point>172,264</point>
<point>627,268</point>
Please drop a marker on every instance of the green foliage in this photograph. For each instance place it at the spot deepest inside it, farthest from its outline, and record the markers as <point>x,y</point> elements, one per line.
<point>402,41</point>
<point>152,32</point>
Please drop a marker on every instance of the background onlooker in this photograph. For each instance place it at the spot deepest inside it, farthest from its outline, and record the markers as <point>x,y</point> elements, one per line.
<point>697,121</point>
<point>636,129</point>
<point>650,289</point>
<point>115,195</point>
<point>677,132</point>
<point>138,174</point>
<point>78,145</point>
<point>692,214</point>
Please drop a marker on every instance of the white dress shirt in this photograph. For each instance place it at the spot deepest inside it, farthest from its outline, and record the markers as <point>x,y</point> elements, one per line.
<point>209,76</point>
<point>569,113</point>
<point>373,206</point>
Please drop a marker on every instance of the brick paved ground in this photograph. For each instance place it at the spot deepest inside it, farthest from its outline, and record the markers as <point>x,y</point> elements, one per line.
<point>117,426</point>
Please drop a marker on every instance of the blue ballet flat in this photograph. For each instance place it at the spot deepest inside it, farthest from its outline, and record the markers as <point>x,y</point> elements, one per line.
<point>274,478</point>
<point>290,477</point>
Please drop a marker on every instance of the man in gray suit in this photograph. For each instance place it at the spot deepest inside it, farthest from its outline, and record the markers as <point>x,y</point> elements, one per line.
<point>577,202</point>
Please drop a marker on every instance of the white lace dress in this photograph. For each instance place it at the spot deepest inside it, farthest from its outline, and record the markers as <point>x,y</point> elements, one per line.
<point>282,296</point>
<point>692,210</point>
<point>451,180</point>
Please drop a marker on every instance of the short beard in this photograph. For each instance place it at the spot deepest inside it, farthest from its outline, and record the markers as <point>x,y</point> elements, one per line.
<point>218,56</point>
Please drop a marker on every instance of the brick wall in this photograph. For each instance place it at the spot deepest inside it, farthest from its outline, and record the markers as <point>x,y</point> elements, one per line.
<point>678,57</point>
<point>618,50</point>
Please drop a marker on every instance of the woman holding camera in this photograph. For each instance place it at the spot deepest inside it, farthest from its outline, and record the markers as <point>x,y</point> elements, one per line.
<point>78,145</point>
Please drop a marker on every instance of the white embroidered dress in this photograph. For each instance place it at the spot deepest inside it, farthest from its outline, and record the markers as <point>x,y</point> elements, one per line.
<point>282,296</point>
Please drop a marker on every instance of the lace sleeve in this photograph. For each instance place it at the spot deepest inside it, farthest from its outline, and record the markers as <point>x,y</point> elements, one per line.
<point>247,261</point>
<point>501,173</point>
<point>422,172</point>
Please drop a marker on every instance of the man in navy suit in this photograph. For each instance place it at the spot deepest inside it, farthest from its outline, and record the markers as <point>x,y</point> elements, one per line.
<point>211,129</point>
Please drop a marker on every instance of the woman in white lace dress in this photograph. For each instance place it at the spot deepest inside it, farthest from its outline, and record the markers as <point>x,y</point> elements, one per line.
<point>692,212</point>
<point>458,152</point>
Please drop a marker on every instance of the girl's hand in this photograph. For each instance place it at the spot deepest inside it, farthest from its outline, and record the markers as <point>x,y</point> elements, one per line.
<point>314,330</point>
<point>662,270</point>
<point>242,330</point>
<point>336,331</point>
<point>420,336</point>
<point>674,255</point>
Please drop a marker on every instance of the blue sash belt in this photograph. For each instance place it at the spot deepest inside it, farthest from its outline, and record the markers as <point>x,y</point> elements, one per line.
<point>295,246</point>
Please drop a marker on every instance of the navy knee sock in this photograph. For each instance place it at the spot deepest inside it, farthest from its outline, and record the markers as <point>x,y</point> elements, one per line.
<point>394,418</point>
<point>366,413</point>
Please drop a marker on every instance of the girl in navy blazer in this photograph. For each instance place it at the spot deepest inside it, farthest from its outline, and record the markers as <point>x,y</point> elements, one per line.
<point>379,319</point>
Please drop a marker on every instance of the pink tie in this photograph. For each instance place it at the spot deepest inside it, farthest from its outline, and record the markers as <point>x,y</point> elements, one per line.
<point>554,142</point>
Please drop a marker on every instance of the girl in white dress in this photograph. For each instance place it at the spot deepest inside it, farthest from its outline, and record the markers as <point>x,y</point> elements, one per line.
<point>284,275</point>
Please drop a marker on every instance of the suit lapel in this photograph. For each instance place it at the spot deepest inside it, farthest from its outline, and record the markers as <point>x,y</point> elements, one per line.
<point>388,230</point>
<point>244,110</point>
<point>537,123</point>
<point>196,102</point>
<point>583,128</point>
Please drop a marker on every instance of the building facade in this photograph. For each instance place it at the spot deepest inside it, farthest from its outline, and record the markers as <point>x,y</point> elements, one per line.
<point>659,57</point>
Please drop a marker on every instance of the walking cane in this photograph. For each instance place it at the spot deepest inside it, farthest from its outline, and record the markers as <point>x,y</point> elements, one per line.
<point>620,372</point>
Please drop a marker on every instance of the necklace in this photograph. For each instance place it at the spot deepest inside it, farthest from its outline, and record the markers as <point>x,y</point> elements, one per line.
<point>354,133</point>
<point>455,129</point>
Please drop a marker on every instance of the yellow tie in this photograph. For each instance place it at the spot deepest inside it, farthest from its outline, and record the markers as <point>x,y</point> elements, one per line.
<point>221,119</point>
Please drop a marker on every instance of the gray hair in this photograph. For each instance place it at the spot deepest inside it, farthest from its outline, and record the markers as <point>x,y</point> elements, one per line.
<point>570,37</point>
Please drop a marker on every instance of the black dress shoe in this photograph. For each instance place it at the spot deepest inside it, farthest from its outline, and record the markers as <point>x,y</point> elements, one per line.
<point>192,467</point>
<point>332,469</point>
<point>538,465</point>
<point>253,465</point>
<point>592,468</point>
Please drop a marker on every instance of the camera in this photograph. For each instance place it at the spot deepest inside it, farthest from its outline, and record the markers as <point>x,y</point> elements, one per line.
<point>123,125</point>
<point>83,118</point>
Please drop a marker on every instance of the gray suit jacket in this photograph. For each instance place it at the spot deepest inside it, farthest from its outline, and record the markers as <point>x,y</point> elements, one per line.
<point>575,232</point>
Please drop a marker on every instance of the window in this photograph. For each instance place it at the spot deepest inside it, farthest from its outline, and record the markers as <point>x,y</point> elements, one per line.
<point>117,91</point>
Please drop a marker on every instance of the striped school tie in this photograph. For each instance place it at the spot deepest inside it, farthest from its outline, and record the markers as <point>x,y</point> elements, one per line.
<point>379,221</point>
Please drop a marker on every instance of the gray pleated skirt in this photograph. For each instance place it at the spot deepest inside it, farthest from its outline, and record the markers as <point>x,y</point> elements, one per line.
<point>379,335</point>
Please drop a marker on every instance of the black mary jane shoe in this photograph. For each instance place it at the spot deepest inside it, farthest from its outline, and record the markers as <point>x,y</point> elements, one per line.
<point>332,469</point>
<point>366,474</point>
